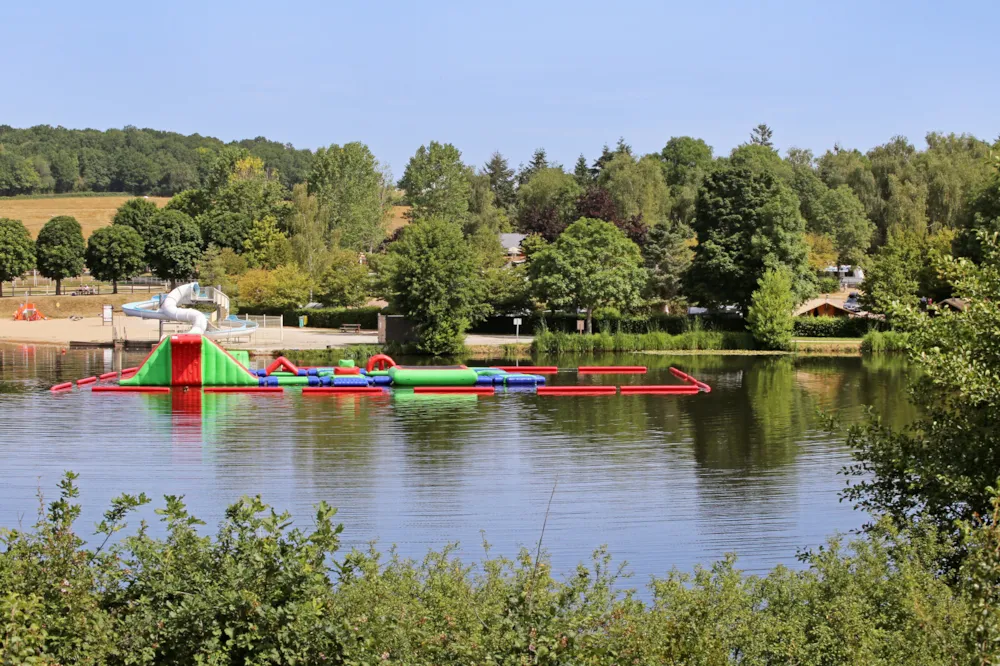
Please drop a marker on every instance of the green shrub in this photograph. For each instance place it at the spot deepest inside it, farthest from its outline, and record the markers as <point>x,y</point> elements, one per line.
<point>834,327</point>
<point>884,342</point>
<point>575,343</point>
<point>262,591</point>
<point>366,317</point>
<point>769,317</point>
<point>828,285</point>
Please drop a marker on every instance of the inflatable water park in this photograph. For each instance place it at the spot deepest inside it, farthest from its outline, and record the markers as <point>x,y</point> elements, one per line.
<point>196,360</point>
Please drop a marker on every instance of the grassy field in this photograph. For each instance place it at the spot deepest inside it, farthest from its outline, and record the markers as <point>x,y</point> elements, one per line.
<point>94,212</point>
<point>60,307</point>
<point>91,212</point>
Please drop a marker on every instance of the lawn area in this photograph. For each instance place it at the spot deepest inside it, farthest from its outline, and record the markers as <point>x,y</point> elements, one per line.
<point>91,212</point>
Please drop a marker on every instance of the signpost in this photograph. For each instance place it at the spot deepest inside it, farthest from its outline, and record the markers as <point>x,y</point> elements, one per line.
<point>517,329</point>
<point>580,325</point>
<point>105,314</point>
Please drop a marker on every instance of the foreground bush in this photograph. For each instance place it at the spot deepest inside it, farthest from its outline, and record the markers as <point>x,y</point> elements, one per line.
<point>264,592</point>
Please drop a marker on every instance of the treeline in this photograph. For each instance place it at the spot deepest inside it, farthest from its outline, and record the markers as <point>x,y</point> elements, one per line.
<point>621,234</point>
<point>45,159</point>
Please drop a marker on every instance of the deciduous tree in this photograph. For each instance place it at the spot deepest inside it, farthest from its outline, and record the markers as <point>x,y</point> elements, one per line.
<point>266,245</point>
<point>769,317</point>
<point>347,181</point>
<point>590,265</point>
<point>433,276</point>
<point>547,203</point>
<point>437,183</point>
<point>17,250</point>
<point>173,246</point>
<point>59,249</point>
<point>115,253</point>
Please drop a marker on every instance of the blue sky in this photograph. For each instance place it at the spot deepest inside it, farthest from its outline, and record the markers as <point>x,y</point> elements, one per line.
<point>568,76</point>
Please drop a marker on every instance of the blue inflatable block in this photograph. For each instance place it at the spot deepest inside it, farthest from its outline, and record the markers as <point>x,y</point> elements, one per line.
<point>268,381</point>
<point>350,380</point>
<point>521,380</point>
<point>315,381</point>
<point>261,373</point>
<point>363,371</point>
<point>380,381</point>
<point>484,380</point>
<point>539,379</point>
<point>498,379</point>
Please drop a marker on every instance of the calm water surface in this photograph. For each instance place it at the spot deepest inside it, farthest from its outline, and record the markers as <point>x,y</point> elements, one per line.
<point>663,481</point>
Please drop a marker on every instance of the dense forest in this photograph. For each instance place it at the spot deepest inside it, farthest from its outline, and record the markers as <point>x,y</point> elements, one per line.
<point>44,159</point>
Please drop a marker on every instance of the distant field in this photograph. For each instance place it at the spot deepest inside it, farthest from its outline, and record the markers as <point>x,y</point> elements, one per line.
<point>96,212</point>
<point>91,212</point>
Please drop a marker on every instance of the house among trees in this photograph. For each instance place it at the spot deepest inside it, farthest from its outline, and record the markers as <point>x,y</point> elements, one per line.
<point>850,277</point>
<point>511,244</point>
<point>823,307</point>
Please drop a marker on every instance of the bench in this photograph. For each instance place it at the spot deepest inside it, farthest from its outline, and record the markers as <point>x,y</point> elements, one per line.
<point>350,328</point>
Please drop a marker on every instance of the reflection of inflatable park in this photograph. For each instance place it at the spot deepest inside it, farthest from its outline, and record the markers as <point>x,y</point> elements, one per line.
<point>194,360</point>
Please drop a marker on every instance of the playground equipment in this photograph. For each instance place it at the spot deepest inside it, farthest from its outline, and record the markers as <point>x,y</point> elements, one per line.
<point>28,312</point>
<point>195,360</point>
<point>166,307</point>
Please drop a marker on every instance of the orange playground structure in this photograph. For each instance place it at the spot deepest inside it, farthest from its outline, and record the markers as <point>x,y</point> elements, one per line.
<point>28,312</point>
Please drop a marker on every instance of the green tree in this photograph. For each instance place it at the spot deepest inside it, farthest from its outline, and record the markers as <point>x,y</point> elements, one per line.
<point>941,467</point>
<point>685,161</point>
<point>348,182</point>
<point>137,213</point>
<point>240,182</point>
<point>769,317</point>
<point>309,234</point>
<point>483,211</point>
<point>17,250</point>
<point>266,245</point>
<point>224,228</point>
<point>667,256</point>
<point>501,181</point>
<point>59,249</point>
<point>17,175</point>
<point>761,136</point>
<point>115,253</point>
<point>982,215</point>
<point>539,162</point>
<point>173,246</point>
<point>590,265</point>
<point>892,276</point>
<point>582,172</point>
<point>192,202</point>
<point>747,221</point>
<point>547,203</point>
<point>437,183</point>
<point>220,267</point>
<point>346,282</point>
<point>840,214</point>
<point>432,275</point>
<point>637,187</point>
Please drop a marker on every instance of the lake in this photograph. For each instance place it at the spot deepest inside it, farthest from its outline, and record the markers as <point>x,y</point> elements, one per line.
<point>663,481</point>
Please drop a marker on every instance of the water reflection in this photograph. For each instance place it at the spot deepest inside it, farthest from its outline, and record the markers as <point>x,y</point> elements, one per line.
<point>663,480</point>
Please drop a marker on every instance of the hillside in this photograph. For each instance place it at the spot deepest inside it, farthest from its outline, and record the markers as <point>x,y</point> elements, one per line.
<point>91,212</point>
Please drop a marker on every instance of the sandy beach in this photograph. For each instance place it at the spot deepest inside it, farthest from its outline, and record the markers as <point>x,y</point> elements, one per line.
<point>91,329</point>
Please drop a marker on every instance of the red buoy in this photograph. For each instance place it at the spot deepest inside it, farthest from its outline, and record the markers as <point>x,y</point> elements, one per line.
<point>611,369</point>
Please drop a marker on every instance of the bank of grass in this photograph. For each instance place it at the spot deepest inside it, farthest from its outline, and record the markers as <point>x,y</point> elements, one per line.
<point>885,342</point>
<point>554,343</point>
<point>62,307</point>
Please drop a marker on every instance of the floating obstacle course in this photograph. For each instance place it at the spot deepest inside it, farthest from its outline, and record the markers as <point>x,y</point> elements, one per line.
<point>194,360</point>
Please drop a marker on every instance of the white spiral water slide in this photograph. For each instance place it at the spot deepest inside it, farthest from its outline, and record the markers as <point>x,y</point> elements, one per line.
<point>168,308</point>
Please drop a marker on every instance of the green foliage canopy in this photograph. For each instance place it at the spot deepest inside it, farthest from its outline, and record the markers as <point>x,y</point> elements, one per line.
<point>59,249</point>
<point>769,317</point>
<point>17,250</point>
<point>115,253</point>
<point>173,246</point>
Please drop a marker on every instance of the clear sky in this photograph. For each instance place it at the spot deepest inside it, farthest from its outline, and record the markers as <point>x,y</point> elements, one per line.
<point>513,76</point>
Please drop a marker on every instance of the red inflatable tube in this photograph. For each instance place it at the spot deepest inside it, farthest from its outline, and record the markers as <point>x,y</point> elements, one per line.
<point>108,375</point>
<point>327,390</point>
<point>475,390</point>
<point>577,390</point>
<point>243,389</point>
<point>347,371</point>
<point>611,369</point>
<point>127,371</point>
<point>681,374</point>
<point>668,389</point>
<point>379,362</point>
<point>62,387</point>
<point>86,380</point>
<point>130,389</point>
<point>282,362</point>
<point>528,369</point>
